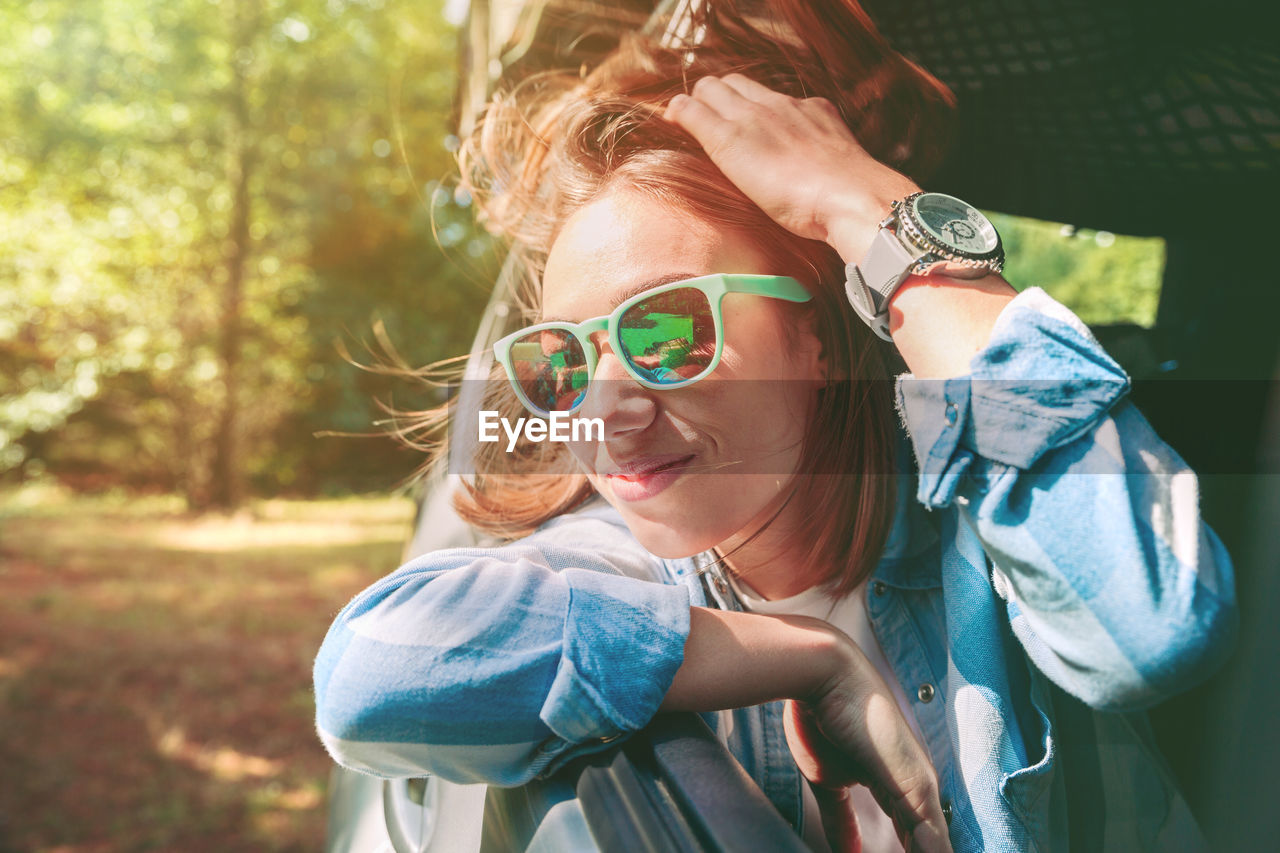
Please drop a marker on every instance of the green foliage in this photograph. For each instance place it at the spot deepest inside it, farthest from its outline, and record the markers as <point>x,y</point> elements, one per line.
<point>199,199</point>
<point>1103,277</point>
<point>126,124</point>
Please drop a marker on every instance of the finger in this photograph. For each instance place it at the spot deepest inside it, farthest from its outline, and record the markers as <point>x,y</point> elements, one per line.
<point>684,108</point>
<point>752,90</point>
<point>839,819</point>
<point>707,126</point>
<point>898,762</point>
<point>930,838</point>
<point>917,817</point>
<point>900,775</point>
<point>757,91</point>
<point>820,760</point>
<point>722,97</point>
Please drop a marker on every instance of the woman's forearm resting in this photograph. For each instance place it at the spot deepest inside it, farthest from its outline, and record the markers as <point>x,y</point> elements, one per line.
<point>732,660</point>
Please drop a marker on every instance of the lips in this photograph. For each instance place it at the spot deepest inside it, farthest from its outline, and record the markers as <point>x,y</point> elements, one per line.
<point>646,466</point>
<point>647,476</point>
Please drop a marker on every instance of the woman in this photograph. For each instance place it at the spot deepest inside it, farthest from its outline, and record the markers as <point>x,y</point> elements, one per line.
<point>962,651</point>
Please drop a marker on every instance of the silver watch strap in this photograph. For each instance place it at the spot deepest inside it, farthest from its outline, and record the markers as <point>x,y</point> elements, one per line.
<point>870,284</point>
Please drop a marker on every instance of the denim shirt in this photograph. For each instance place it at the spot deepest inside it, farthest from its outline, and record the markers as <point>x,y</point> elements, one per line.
<point>1047,578</point>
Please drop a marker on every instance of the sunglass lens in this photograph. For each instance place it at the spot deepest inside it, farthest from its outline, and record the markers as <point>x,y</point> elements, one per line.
<point>670,337</point>
<point>551,369</point>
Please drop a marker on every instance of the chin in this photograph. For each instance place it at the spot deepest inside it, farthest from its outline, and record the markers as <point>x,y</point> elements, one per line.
<point>675,533</point>
<point>668,542</point>
<point>694,514</point>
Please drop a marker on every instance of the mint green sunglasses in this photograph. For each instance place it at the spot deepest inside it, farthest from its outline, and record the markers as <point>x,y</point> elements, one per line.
<point>667,337</point>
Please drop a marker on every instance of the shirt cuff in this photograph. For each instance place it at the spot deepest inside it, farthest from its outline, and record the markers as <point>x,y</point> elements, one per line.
<point>619,656</point>
<point>1041,382</point>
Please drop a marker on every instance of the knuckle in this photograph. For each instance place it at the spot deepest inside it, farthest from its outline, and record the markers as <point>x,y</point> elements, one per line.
<point>822,104</point>
<point>704,83</point>
<point>720,146</point>
<point>917,791</point>
<point>919,802</point>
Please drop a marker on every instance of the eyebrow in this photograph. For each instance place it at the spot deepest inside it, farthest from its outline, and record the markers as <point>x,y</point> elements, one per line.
<point>635,290</point>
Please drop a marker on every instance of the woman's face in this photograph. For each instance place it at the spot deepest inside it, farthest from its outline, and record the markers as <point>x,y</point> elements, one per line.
<point>696,467</point>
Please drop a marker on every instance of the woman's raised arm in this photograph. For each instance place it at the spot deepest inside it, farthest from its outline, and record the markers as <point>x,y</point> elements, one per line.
<point>1116,588</point>
<point>1114,584</point>
<point>798,161</point>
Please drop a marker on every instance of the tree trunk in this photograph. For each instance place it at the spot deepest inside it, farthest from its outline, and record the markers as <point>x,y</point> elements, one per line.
<point>228,482</point>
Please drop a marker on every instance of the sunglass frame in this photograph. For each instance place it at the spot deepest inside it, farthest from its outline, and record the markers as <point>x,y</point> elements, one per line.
<point>713,287</point>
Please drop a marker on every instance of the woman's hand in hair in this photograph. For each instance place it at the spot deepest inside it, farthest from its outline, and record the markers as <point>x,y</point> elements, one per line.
<point>796,159</point>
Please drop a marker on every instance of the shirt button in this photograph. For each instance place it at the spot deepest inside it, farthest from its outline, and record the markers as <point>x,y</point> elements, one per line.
<point>879,588</point>
<point>952,414</point>
<point>946,812</point>
<point>925,692</point>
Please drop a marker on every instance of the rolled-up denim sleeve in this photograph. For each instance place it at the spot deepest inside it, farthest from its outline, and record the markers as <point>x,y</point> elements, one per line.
<point>498,665</point>
<point>1090,523</point>
<point>622,644</point>
<point>1041,382</point>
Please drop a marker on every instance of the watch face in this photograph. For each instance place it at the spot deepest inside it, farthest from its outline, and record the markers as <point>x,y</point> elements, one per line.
<point>955,224</point>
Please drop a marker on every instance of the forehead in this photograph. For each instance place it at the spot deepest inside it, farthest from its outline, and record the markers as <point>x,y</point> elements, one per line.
<point>624,242</point>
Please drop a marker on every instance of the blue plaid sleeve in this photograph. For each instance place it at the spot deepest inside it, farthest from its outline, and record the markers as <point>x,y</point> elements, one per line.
<point>497,665</point>
<point>1114,585</point>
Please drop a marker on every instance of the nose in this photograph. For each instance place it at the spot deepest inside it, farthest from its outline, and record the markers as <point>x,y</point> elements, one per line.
<point>624,405</point>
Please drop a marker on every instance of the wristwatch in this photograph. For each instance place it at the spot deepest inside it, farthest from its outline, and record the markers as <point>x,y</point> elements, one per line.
<point>924,233</point>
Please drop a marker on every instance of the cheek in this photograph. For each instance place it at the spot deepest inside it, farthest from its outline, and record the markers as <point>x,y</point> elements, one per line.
<point>747,424</point>
<point>762,428</point>
<point>757,419</point>
<point>775,374</point>
<point>751,340</point>
<point>751,448</point>
<point>584,453</point>
<point>768,341</point>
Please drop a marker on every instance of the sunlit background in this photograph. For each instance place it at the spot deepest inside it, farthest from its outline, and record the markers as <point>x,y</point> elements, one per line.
<point>203,205</point>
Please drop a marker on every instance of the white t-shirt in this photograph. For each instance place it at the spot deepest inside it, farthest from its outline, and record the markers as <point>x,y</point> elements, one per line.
<point>849,614</point>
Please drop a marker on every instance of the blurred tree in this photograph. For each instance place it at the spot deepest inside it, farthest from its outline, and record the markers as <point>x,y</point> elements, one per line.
<point>199,197</point>
<point>196,199</point>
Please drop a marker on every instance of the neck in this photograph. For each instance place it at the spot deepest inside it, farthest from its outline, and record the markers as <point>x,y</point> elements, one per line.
<point>763,557</point>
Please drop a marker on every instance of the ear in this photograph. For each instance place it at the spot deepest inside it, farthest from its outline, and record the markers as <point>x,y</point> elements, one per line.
<point>808,350</point>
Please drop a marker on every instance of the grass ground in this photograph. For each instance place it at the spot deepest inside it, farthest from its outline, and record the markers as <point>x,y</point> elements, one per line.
<point>155,689</point>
